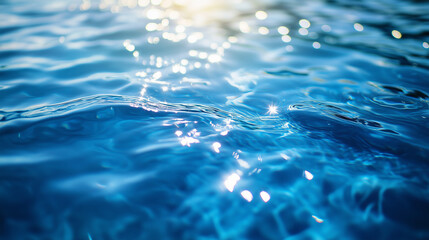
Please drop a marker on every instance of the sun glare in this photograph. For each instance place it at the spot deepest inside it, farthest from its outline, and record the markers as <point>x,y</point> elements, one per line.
<point>272,110</point>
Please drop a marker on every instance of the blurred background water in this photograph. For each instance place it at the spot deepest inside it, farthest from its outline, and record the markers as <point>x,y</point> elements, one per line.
<point>226,119</point>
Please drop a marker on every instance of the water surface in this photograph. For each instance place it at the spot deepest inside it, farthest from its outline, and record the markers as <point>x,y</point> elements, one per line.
<point>233,119</point>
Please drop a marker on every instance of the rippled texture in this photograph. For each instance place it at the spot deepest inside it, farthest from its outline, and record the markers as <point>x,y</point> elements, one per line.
<point>221,119</point>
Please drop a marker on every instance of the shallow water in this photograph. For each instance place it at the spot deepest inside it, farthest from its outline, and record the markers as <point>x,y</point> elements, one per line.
<point>218,119</point>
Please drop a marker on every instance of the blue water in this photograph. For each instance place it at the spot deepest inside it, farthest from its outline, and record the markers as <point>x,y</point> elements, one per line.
<point>226,119</point>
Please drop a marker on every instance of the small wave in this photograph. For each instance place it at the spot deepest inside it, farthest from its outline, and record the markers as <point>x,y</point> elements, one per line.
<point>66,107</point>
<point>242,120</point>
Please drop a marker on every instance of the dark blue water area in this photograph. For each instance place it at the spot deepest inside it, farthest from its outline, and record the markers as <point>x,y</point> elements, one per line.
<point>189,119</point>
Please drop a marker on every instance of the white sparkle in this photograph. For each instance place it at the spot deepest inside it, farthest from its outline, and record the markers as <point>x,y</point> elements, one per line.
<point>358,27</point>
<point>304,23</point>
<point>263,30</point>
<point>261,15</point>
<point>187,141</point>
<point>272,110</point>
<point>308,175</point>
<point>316,45</point>
<point>216,146</point>
<point>303,31</point>
<point>231,181</point>
<point>265,196</point>
<point>396,34</point>
<point>319,220</point>
<point>283,30</point>
<point>246,194</point>
<point>286,38</point>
